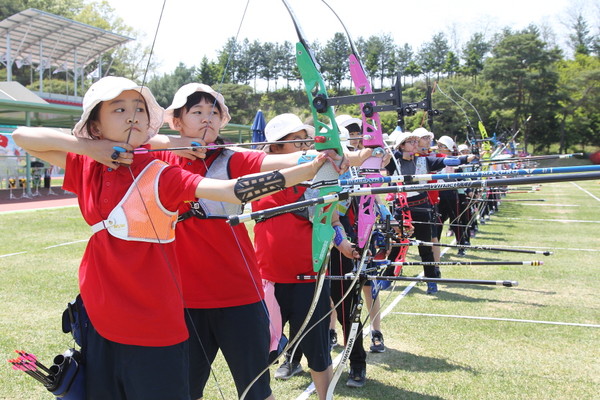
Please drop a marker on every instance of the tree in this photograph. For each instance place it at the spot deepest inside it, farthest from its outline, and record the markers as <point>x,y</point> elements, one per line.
<point>372,50</point>
<point>413,69</point>
<point>580,40</point>
<point>523,80</point>
<point>451,64</point>
<point>380,58</point>
<point>10,7</point>
<point>228,57</point>
<point>473,54</point>
<point>289,69</point>
<point>253,60</point>
<point>165,86</point>
<point>387,60</point>
<point>432,55</point>
<point>579,101</point>
<point>269,69</point>
<point>404,58</point>
<point>208,72</point>
<point>243,64</point>
<point>281,61</point>
<point>334,60</point>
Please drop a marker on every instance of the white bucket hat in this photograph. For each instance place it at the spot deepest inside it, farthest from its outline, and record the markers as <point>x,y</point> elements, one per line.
<point>345,120</point>
<point>422,132</point>
<point>401,138</point>
<point>448,142</point>
<point>284,124</point>
<point>185,91</point>
<point>110,87</point>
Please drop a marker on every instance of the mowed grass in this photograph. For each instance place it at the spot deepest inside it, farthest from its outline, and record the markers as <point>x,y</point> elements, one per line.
<point>428,357</point>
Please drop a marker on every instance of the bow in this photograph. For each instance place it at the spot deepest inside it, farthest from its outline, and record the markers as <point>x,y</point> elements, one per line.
<point>486,146</point>
<point>372,137</point>
<point>325,179</point>
<point>367,205</point>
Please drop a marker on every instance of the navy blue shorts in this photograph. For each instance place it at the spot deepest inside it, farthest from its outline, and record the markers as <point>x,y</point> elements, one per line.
<point>119,371</point>
<point>242,334</point>
<point>294,300</point>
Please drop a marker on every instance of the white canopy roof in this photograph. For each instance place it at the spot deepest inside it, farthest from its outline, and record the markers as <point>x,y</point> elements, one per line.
<point>38,37</point>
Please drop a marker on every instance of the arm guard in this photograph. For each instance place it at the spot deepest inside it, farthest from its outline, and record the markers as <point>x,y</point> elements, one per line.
<point>249,188</point>
<point>452,161</point>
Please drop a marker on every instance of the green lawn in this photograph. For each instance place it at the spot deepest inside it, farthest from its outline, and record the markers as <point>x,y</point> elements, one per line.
<point>428,357</point>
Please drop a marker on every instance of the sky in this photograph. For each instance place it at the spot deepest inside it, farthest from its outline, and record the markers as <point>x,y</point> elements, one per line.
<point>192,29</point>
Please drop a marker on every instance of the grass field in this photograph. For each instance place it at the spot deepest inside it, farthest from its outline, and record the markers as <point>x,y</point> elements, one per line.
<point>540,340</point>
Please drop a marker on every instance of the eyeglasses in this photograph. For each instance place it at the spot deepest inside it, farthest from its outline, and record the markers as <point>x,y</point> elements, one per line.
<point>299,145</point>
<point>411,141</point>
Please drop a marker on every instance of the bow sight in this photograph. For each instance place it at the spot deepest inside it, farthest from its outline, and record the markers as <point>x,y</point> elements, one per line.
<point>394,95</point>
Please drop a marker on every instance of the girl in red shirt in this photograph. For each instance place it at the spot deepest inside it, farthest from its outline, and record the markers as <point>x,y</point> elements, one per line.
<point>283,248</point>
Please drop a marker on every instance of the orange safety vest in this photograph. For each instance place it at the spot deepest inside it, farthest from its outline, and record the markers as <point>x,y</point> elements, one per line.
<point>140,216</point>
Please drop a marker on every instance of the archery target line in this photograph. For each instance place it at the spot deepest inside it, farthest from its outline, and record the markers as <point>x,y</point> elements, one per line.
<point>530,321</point>
<point>567,221</point>
<point>12,254</point>
<point>45,248</point>
<point>549,205</point>
<point>585,191</point>
<point>36,209</point>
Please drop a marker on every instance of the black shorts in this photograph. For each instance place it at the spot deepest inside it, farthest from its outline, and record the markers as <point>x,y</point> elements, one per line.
<point>294,301</point>
<point>119,371</point>
<point>242,334</point>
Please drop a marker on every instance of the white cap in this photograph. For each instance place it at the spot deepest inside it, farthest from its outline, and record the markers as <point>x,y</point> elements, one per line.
<point>422,132</point>
<point>403,136</point>
<point>284,124</point>
<point>448,142</point>
<point>345,120</point>
<point>462,147</point>
<point>109,88</point>
<point>185,91</point>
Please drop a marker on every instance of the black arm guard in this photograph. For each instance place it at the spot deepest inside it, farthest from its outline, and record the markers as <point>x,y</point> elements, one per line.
<point>249,188</point>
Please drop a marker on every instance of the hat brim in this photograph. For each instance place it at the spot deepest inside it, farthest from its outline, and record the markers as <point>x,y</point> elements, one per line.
<point>310,130</point>
<point>155,111</point>
<point>182,95</point>
<point>349,121</point>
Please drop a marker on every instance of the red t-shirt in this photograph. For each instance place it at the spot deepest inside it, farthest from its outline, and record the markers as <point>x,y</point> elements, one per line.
<point>217,261</point>
<point>283,243</point>
<point>130,288</point>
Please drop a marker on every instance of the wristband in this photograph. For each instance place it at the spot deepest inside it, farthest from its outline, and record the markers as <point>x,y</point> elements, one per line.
<point>339,235</point>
